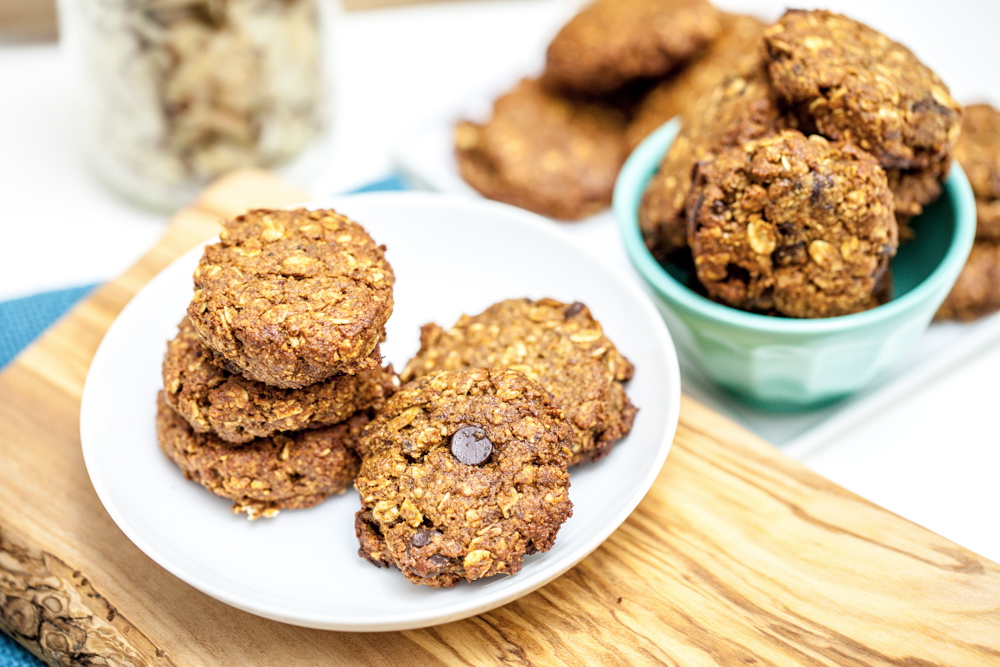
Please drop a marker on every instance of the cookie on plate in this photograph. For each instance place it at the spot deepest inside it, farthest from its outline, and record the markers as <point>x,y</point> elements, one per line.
<point>238,409</point>
<point>978,151</point>
<point>465,473</point>
<point>560,345</point>
<point>266,475</point>
<point>292,297</point>
<point>853,83</point>
<point>976,293</point>
<point>792,224</point>
<point>549,153</point>
<point>612,42</point>
<point>741,108</point>
<point>740,37</point>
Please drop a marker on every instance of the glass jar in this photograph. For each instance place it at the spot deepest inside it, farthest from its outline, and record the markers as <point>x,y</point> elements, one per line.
<point>174,93</point>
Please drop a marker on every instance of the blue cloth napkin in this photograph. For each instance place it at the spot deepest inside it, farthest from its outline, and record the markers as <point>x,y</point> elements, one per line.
<point>22,320</point>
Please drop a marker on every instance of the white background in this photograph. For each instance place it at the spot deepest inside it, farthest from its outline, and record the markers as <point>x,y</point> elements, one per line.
<point>931,454</point>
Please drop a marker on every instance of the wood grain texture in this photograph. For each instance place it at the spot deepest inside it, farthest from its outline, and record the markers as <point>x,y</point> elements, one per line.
<point>737,556</point>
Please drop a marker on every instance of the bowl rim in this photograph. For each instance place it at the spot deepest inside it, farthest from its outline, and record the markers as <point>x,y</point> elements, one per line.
<point>642,164</point>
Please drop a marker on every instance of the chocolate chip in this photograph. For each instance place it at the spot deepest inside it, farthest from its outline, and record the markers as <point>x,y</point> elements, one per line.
<point>573,309</point>
<point>437,564</point>
<point>737,272</point>
<point>470,445</point>
<point>818,197</point>
<point>423,538</point>
<point>787,255</point>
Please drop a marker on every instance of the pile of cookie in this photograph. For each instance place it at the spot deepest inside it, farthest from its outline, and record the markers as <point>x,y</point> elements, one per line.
<point>620,69</point>
<point>466,468</point>
<point>276,369</point>
<point>791,183</point>
<point>275,397</point>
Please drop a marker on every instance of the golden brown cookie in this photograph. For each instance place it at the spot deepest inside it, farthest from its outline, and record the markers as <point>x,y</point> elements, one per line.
<point>286,471</point>
<point>977,291</point>
<point>237,409</point>
<point>740,37</point>
<point>292,297</point>
<point>855,84</point>
<point>612,42</point>
<point>548,153</point>
<point>741,108</point>
<point>559,345</point>
<point>464,475</point>
<point>978,151</point>
<point>791,224</point>
<point>912,189</point>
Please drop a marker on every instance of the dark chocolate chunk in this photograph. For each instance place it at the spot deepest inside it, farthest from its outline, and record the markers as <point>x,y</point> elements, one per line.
<point>423,538</point>
<point>470,445</point>
<point>573,309</point>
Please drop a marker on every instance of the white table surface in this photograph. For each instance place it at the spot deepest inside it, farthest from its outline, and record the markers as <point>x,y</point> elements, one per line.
<point>928,450</point>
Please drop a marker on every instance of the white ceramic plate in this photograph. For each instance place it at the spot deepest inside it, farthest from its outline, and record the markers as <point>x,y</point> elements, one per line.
<point>450,255</point>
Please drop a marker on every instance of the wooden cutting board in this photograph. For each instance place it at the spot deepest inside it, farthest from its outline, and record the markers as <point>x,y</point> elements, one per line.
<point>738,555</point>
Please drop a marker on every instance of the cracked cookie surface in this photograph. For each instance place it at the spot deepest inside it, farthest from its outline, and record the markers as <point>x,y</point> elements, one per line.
<point>855,84</point>
<point>551,154</point>
<point>559,345</point>
<point>292,297</point>
<point>611,42</point>
<point>464,473</point>
<point>238,409</point>
<point>800,226</point>
<point>265,475</point>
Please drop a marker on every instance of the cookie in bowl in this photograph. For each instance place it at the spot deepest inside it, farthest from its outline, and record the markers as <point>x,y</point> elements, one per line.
<point>792,225</point>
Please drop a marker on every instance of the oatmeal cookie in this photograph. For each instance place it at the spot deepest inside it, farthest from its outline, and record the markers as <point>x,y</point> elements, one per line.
<point>912,189</point>
<point>741,108</point>
<point>797,225</point>
<point>855,84</point>
<point>978,151</point>
<point>740,39</point>
<point>285,471</point>
<point>292,297</point>
<point>977,291</point>
<point>548,153</point>
<point>612,42</point>
<point>465,474</point>
<point>237,409</point>
<point>559,345</point>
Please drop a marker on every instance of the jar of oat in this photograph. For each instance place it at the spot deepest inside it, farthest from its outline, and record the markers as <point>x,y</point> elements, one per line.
<point>174,93</point>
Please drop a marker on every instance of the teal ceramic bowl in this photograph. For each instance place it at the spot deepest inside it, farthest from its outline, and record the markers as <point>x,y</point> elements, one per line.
<point>788,364</point>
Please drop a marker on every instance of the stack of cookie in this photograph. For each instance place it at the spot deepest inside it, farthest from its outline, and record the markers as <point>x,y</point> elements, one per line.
<point>790,184</point>
<point>276,369</point>
<point>466,468</point>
